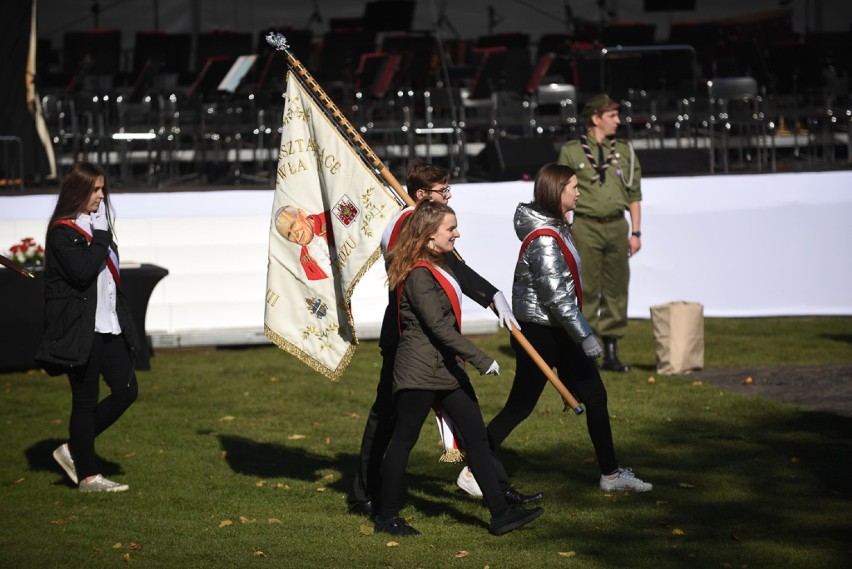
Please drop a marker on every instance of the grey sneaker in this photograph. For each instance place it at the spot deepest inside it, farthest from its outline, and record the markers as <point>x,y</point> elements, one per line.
<point>63,457</point>
<point>101,484</point>
<point>623,480</point>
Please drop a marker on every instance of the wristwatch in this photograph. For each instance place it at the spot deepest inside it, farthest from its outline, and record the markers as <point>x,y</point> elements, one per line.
<point>637,234</point>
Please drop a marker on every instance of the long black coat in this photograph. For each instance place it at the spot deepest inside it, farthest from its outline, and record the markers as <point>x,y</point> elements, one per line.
<point>70,294</point>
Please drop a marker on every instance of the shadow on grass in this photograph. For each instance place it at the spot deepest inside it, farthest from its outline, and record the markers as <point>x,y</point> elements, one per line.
<point>426,493</point>
<point>845,338</point>
<point>268,460</point>
<point>40,458</point>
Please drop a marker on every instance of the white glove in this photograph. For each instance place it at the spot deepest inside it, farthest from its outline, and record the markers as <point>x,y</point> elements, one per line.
<point>591,347</point>
<point>99,219</point>
<point>494,369</point>
<point>504,312</point>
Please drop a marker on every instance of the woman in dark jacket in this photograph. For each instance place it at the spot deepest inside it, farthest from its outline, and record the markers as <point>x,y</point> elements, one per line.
<point>89,330</point>
<point>428,367</point>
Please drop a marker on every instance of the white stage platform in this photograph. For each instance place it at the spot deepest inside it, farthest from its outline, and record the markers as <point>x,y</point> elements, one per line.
<point>743,246</point>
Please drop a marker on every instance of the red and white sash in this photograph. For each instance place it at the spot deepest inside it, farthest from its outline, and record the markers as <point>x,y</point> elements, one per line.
<point>568,251</point>
<point>112,258</point>
<point>392,231</point>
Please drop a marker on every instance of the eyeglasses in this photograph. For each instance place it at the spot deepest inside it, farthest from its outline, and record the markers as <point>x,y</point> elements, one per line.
<point>444,191</point>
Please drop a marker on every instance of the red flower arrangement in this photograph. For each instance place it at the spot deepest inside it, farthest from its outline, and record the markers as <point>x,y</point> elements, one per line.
<point>27,252</point>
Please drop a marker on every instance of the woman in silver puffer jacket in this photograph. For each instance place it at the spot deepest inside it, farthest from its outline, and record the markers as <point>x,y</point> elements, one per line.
<point>547,299</point>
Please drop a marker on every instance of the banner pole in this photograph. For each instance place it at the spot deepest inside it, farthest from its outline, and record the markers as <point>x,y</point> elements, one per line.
<point>279,42</point>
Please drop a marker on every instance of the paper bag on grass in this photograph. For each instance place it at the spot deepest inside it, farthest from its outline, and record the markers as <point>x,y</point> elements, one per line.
<point>678,336</point>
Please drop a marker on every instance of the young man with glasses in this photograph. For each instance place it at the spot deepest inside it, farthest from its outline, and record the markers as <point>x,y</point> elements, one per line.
<point>423,181</point>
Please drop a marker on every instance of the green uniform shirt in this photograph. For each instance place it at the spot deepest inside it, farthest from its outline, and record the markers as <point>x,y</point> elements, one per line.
<point>613,196</point>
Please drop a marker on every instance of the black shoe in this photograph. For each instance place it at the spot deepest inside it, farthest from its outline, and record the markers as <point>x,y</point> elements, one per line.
<point>610,359</point>
<point>515,498</point>
<point>394,526</point>
<point>361,508</point>
<point>513,519</point>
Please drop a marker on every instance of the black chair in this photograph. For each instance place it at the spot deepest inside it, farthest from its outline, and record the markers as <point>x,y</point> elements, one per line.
<point>737,113</point>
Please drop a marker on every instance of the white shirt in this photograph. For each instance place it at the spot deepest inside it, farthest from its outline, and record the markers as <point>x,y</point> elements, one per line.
<point>106,318</point>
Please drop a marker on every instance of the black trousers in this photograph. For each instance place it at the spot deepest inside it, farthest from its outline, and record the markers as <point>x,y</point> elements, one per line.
<point>90,417</point>
<point>579,374</point>
<point>377,436</point>
<point>412,407</point>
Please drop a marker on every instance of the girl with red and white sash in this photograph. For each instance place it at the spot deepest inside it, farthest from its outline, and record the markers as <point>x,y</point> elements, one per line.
<point>89,330</point>
<point>547,296</point>
<point>428,367</point>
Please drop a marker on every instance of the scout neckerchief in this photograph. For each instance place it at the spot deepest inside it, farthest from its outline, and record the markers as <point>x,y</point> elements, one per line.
<point>600,169</point>
<point>394,228</point>
<point>112,258</point>
<point>567,251</point>
<point>446,428</point>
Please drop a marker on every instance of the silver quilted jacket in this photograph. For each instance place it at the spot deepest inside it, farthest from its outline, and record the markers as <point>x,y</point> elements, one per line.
<point>543,291</point>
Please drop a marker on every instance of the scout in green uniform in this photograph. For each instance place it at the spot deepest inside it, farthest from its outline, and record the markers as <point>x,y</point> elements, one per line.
<point>609,179</point>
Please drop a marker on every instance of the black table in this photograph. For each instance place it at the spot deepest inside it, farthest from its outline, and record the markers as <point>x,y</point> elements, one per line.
<point>22,313</point>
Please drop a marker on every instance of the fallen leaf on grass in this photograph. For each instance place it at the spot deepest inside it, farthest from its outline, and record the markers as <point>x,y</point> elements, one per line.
<point>748,380</point>
<point>226,418</point>
<point>259,554</point>
<point>567,553</point>
<point>295,437</point>
<point>462,554</point>
<point>365,529</point>
<point>697,382</point>
<point>274,521</point>
<point>321,489</point>
<point>651,379</point>
<point>678,531</point>
<point>19,480</point>
<point>225,523</point>
<point>135,547</point>
<point>328,477</point>
<point>328,440</point>
<point>246,520</point>
<point>126,556</point>
<point>56,422</point>
<point>273,379</point>
<point>392,544</point>
<point>260,484</point>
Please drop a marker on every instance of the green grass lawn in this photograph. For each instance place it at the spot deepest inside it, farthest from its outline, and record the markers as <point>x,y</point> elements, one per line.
<point>243,458</point>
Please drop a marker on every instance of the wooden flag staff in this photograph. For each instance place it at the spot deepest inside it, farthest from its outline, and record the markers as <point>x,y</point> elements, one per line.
<point>279,42</point>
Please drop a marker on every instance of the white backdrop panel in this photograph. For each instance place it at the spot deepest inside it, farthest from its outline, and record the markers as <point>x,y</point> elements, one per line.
<point>755,245</point>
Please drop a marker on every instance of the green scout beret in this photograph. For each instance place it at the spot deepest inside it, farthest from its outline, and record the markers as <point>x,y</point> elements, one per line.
<point>599,104</point>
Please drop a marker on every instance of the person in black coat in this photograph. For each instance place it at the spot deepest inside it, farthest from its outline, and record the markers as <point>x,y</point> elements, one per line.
<point>89,330</point>
<point>423,182</point>
<point>429,368</point>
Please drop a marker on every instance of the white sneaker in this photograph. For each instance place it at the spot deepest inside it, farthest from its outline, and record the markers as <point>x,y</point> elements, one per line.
<point>101,484</point>
<point>623,480</point>
<point>468,483</point>
<point>63,457</point>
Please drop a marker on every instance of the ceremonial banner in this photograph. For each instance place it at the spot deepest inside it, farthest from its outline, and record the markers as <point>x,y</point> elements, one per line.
<point>326,223</point>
